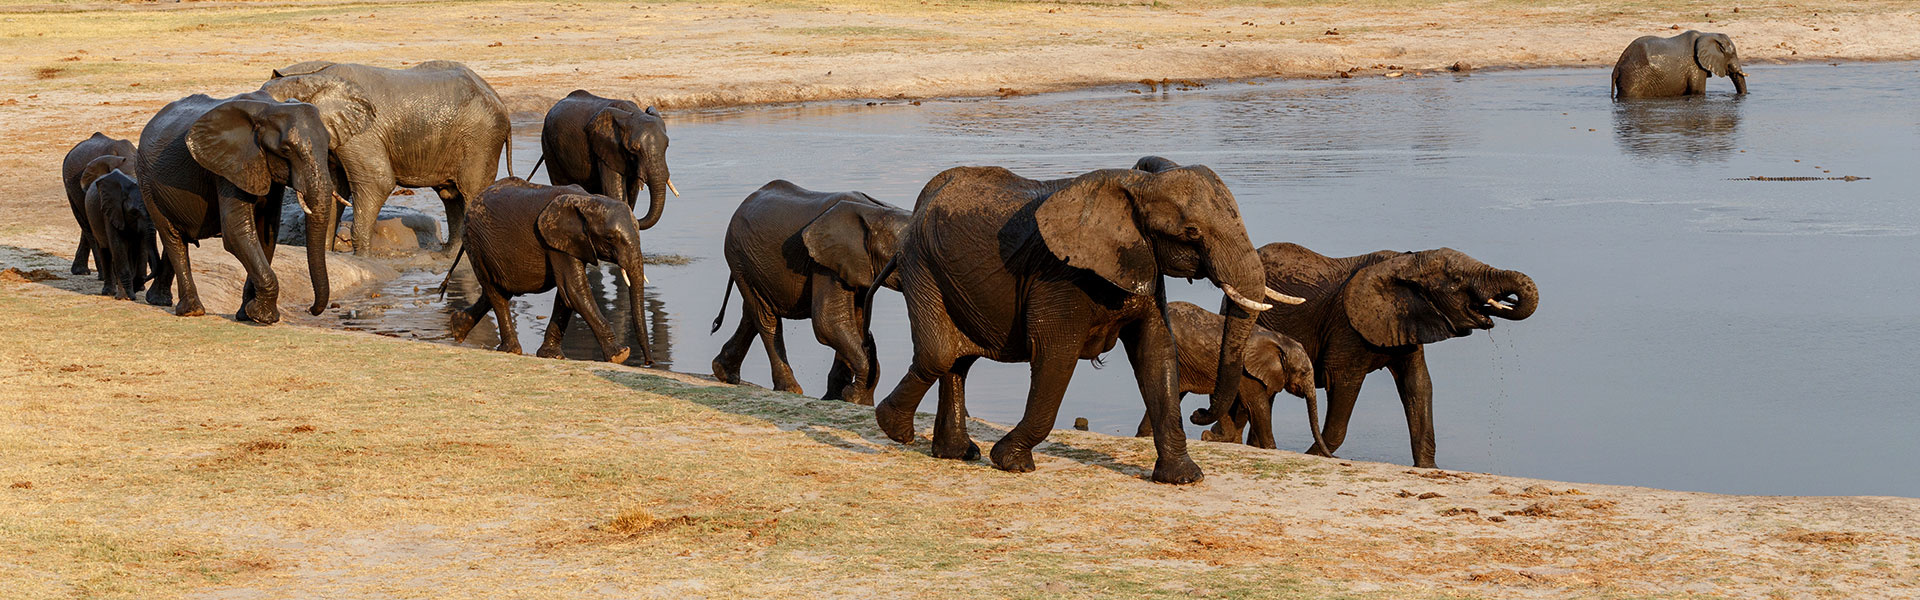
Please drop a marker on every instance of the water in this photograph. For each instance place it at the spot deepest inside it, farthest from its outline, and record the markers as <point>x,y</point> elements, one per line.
<point>1695,332</point>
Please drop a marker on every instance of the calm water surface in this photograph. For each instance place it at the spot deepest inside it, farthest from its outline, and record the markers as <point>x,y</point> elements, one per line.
<point>1696,332</point>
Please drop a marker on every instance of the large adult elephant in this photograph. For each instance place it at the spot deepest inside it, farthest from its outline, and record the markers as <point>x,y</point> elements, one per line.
<point>218,167</point>
<point>608,147</point>
<point>1657,67</point>
<point>71,176</point>
<point>1012,269</point>
<point>1379,310</point>
<point>436,125</point>
<point>800,254</point>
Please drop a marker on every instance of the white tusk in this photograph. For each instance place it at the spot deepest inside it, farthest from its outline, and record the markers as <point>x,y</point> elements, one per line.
<point>643,279</point>
<point>301,200</point>
<point>623,277</point>
<point>1243,301</point>
<point>670,188</point>
<point>1283,298</point>
<point>1500,305</point>
<point>342,200</point>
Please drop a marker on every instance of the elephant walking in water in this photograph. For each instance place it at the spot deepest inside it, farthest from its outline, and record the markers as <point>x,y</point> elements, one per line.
<point>435,125</point>
<point>800,254</point>
<point>1656,67</point>
<point>608,147</point>
<point>1012,269</point>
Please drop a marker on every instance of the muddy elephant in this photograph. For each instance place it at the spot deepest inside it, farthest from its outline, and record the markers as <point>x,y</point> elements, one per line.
<point>1273,363</point>
<point>1657,67</point>
<point>1011,269</point>
<point>218,167</point>
<point>71,176</point>
<point>434,125</point>
<point>800,254</point>
<point>527,238</point>
<point>609,147</point>
<point>122,232</point>
<point>1379,310</point>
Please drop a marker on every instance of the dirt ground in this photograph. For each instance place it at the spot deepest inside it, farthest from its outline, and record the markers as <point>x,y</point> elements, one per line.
<point>147,456</point>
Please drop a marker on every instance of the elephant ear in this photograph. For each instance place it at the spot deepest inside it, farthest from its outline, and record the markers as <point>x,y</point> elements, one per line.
<point>1090,225</point>
<point>1266,359</point>
<point>1386,305</point>
<point>344,108</point>
<point>223,142</point>
<point>311,66</point>
<point>837,239</point>
<point>608,127</point>
<point>1711,51</point>
<point>100,167</point>
<point>564,225</point>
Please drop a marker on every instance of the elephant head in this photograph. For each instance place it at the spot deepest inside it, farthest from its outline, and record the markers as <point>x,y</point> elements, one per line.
<point>1281,363</point>
<point>343,105</point>
<point>640,139</point>
<point>255,144</point>
<point>855,239</point>
<point>101,166</point>
<point>1432,295</point>
<point>1714,53</point>
<point>592,228</point>
<point>1132,227</point>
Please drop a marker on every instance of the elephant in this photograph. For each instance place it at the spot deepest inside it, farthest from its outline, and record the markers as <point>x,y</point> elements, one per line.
<point>219,167</point>
<point>609,147</point>
<point>800,254</point>
<point>1379,310</point>
<point>436,124</point>
<point>528,238</point>
<point>1273,363</point>
<point>122,232</point>
<point>71,169</point>
<point>1656,67</point>
<point>1012,269</point>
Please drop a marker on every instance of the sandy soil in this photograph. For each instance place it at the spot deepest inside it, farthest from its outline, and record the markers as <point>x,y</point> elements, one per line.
<point>411,470</point>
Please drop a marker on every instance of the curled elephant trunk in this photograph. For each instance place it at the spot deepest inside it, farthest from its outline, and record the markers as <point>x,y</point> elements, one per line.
<point>1512,296</point>
<point>633,265</point>
<point>658,182</point>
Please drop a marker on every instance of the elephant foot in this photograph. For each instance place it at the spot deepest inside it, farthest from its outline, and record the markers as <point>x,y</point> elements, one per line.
<point>1424,464</point>
<point>159,299</point>
<point>1316,450</point>
<point>1178,470</point>
<point>833,393</point>
<point>725,375</point>
<point>619,356</point>
<point>897,425</point>
<point>1210,436</point>
<point>460,324</point>
<point>508,346</point>
<point>79,270</point>
<point>551,351</point>
<point>965,449</point>
<point>188,308</point>
<point>259,311</point>
<point>791,388</point>
<point>1010,459</point>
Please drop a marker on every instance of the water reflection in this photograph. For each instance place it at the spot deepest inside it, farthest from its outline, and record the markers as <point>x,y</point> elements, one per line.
<point>1692,129</point>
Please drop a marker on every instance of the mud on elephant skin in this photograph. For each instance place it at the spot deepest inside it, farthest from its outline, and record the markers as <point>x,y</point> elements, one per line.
<point>801,254</point>
<point>998,266</point>
<point>75,177</point>
<point>608,147</point>
<point>528,238</point>
<point>1273,363</point>
<point>1657,67</point>
<point>1378,310</point>
<point>123,235</point>
<point>434,125</point>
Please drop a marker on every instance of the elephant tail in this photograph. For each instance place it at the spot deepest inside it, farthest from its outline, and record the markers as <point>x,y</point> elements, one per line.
<point>722,317</point>
<point>450,266</point>
<point>536,166</point>
<point>509,151</point>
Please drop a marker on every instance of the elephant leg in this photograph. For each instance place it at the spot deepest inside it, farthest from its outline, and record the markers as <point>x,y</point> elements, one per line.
<point>466,318</point>
<point>571,276</point>
<point>1052,368</point>
<point>173,258</point>
<point>1343,388</point>
<point>772,336</point>
<point>109,260</point>
<point>1151,353</point>
<point>935,349</point>
<point>372,181</point>
<point>726,365</point>
<point>950,439</point>
<point>1416,396</point>
<point>259,297</point>
<point>613,183</point>
<point>86,237</point>
<point>556,331</point>
<point>1258,403</point>
<point>837,324</point>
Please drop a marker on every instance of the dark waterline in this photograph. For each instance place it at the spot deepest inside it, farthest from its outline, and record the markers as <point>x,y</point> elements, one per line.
<point>1695,332</point>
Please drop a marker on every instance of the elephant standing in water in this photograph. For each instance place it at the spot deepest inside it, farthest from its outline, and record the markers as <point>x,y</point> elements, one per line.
<point>218,167</point>
<point>1377,310</point>
<point>434,125</point>
<point>1012,269</point>
<point>122,232</point>
<point>800,254</point>
<point>528,238</point>
<point>1656,67</point>
<point>1273,363</point>
<point>71,169</point>
<point>608,147</point>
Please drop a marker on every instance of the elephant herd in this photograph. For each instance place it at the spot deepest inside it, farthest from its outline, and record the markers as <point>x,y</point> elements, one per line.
<point>991,264</point>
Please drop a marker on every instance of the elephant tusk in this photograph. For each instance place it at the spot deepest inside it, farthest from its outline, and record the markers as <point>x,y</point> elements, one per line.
<point>342,200</point>
<point>670,188</point>
<point>1498,304</point>
<point>301,199</point>
<point>1250,305</point>
<point>1276,296</point>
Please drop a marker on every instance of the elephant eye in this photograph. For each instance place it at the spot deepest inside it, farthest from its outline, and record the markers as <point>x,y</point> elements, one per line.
<point>1191,233</point>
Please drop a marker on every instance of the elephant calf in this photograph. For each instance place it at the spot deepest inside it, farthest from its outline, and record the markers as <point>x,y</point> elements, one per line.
<point>527,238</point>
<point>123,234</point>
<point>72,175</point>
<point>1655,67</point>
<point>1272,363</point>
<point>800,254</point>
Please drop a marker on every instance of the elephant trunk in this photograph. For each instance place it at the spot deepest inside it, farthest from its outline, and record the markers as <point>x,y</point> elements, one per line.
<point>1518,285</point>
<point>634,265</point>
<point>315,189</point>
<point>1241,271</point>
<point>1739,80</point>
<point>658,180</point>
<point>1313,417</point>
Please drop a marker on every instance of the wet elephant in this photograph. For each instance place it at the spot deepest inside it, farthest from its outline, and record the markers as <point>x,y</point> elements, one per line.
<point>609,147</point>
<point>72,178</point>
<point>1273,363</point>
<point>1657,67</point>
<point>122,232</point>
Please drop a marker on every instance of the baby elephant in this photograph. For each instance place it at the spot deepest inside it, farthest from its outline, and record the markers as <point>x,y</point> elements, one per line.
<point>800,254</point>
<point>528,238</point>
<point>1654,67</point>
<point>1273,362</point>
<point>122,233</point>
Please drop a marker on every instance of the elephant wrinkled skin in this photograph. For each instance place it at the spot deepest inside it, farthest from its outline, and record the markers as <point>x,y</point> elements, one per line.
<point>75,178</point>
<point>608,147</point>
<point>1656,67</point>
<point>122,232</point>
<point>1273,363</point>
